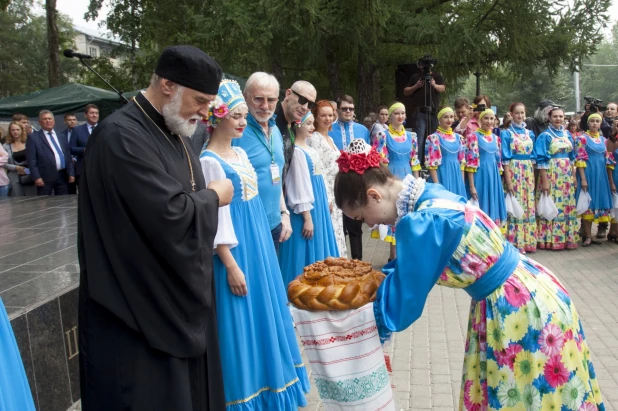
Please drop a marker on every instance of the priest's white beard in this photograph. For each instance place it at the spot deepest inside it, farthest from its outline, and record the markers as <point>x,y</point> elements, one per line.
<point>173,119</point>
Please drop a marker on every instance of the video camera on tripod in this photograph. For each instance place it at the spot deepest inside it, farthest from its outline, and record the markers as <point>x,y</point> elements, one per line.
<point>425,63</point>
<point>479,108</point>
<point>594,104</point>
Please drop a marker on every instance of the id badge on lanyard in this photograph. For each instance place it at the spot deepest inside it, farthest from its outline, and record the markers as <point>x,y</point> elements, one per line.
<point>275,175</point>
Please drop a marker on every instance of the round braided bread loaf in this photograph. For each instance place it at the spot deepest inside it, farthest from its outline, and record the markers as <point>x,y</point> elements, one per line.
<point>335,284</point>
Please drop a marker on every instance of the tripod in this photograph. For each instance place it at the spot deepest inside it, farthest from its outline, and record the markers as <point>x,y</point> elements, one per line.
<point>427,111</point>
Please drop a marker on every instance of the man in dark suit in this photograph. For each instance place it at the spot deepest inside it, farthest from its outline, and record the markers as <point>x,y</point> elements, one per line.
<point>70,120</point>
<point>81,134</point>
<point>49,159</point>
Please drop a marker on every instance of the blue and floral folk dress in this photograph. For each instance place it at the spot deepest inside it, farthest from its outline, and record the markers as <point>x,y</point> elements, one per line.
<point>525,347</point>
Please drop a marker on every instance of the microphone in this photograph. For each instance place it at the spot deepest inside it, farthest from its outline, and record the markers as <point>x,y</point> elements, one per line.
<point>70,54</point>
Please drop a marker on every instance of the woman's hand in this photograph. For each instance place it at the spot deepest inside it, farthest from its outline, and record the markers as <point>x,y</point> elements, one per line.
<point>545,187</point>
<point>473,193</point>
<point>612,186</point>
<point>236,280</point>
<point>509,188</point>
<point>308,229</point>
<point>584,185</point>
<point>20,170</point>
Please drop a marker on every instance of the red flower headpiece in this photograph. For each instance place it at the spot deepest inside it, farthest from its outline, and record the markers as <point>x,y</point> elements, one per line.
<point>358,162</point>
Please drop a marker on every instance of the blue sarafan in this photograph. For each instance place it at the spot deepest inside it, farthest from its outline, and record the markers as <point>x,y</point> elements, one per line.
<point>262,365</point>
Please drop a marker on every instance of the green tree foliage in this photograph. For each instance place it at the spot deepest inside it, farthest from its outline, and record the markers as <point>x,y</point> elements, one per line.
<point>23,49</point>
<point>354,47</point>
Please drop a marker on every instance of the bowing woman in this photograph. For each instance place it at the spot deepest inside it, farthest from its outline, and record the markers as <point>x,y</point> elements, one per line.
<point>399,150</point>
<point>483,166</point>
<point>313,238</point>
<point>525,344</point>
<point>594,176</point>
<point>445,155</point>
<point>518,161</point>
<point>555,158</point>
<point>255,325</point>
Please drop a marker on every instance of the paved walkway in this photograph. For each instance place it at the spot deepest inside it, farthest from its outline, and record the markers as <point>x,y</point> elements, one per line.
<point>428,357</point>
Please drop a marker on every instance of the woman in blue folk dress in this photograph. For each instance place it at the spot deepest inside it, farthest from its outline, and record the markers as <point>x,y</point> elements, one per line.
<point>483,165</point>
<point>313,238</point>
<point>518,161</point>
<point>594,176</point>
<point>525,347</point>
<point>262,365</point>
<point>611,146</point>
<point>445,155</point>
<point>399,150</point>
<point>555,158</point>
<point>15,394</point>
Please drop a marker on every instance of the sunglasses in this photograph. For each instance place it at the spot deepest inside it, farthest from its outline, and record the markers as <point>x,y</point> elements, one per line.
<point>302,100</point>
<point>347,109</point>
<point>260,100</point>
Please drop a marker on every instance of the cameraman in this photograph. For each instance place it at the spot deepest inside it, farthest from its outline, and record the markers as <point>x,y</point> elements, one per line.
<point>425,100</point>
<point>591,107</point>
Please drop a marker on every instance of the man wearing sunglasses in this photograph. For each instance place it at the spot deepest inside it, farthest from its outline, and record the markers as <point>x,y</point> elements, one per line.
<point>344,130</point>
<point>299,100</point>
<point>263,144</point>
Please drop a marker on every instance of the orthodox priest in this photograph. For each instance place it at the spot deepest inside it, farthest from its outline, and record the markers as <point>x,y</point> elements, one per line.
<point>147,323</point>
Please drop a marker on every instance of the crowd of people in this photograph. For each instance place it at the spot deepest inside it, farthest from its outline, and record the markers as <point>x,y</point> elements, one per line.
<point>45,161</point>
<point>185,257</point>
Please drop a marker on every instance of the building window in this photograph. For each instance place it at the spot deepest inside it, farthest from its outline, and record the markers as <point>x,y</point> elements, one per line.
<point>93,51</point>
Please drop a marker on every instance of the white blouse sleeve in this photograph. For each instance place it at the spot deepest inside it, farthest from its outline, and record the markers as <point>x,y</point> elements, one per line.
<point>298,184</point>
<point>212,170</point>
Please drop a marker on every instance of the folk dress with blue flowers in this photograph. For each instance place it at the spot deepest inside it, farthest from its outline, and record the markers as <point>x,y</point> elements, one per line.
<point>554,151</point>
<point>518,154</point>
<point>525,348</point>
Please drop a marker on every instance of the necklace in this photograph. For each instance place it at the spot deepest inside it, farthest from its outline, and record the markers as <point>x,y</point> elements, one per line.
<point>172,144</point>
<point>397,133</point>
<point>551,131</point>
<point>522,136</point>
<point>448,131</point>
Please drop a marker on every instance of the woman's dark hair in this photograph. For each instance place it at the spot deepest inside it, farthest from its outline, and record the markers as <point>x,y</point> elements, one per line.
<point>482,97</point>
<point>381,108</point>
<point>351,187</point>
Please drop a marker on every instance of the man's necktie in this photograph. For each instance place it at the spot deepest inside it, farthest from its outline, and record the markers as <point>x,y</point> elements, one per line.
<point>57,148</point>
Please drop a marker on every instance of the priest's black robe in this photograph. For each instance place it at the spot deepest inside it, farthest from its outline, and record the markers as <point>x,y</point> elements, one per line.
<point>147,322</point>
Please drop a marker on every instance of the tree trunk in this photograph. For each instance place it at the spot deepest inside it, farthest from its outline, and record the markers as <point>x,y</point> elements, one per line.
<point>53,43</point>
<point>276,64</point>
<point>377,86</point>
<point>364,86</point>
<point>332,70</point>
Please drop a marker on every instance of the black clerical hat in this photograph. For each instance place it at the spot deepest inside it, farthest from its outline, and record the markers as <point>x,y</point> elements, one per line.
<point>190,67</point>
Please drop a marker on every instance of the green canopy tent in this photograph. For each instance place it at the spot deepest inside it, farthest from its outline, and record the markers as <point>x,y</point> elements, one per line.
<point>70,97</point>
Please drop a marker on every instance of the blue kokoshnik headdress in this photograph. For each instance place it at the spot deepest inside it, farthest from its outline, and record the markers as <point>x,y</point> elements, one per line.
<point>228,98</point>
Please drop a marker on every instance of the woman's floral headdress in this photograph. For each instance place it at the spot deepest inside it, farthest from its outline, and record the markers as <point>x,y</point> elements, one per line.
<point>228,98</point>
<point>359,157</point>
